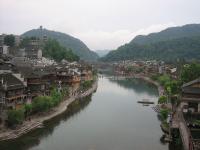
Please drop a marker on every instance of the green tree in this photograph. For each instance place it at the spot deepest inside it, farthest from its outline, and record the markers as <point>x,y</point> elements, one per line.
<point>86,84</point>
<point>164,79</point>
<point>162,99</point>
<point>15,117</point>
<point>190,72</point>
<point>25,42</point>
<point>56,97</point>
<point>9,40</point>
<point>53,49</point>
<point>164,114</point>
<point>28,109</point>
<point>42,103</point>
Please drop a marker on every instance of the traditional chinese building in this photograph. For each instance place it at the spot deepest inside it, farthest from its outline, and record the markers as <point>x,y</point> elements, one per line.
<point>191,95</point>
<point>12,91</point>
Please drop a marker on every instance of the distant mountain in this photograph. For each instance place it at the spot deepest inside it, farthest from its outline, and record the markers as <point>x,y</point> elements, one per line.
<point>169,45</point>
<point>77,46</point>
<point>171,33</point>
<point>102,53</point>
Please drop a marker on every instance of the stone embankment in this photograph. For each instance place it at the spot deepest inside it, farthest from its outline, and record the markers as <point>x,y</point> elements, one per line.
<point>37,120</point>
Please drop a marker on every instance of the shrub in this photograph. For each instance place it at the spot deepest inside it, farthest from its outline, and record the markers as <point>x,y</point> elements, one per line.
<point>15,117</point>
<point>162,99</point>
<point>42,103</point>
<point>86,84</point>
<point>28,109</point>
<point>164,114</point>
<point>56,97</point>
<point>164,79</point>
<point>155,77</point>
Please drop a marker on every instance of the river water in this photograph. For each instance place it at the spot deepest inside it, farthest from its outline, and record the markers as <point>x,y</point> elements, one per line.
<point>110,119</point>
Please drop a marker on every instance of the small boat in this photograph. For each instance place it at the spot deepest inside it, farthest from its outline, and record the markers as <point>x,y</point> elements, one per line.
<point>145,101</point>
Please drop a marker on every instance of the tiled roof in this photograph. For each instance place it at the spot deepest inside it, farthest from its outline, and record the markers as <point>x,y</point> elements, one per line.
<point>191,90</point>
<point>191,82</point>
<point>10,82</point>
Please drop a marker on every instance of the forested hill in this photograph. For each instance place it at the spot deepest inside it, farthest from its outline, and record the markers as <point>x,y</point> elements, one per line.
<point>189,30</point>
<point>170,44</point>
<point>183,48</point>
<point>77,46</point>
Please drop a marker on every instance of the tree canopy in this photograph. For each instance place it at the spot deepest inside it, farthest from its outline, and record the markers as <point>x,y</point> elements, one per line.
<point>9,40</point>
<point>53,49</point>
<point>183,48</point>
<point>190,72</point>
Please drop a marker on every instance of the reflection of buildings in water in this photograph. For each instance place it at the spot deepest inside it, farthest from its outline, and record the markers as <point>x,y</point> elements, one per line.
<point>137,85</point>
<point>33,138</point>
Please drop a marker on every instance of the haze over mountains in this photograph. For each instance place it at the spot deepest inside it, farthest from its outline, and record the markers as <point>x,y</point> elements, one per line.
<point>170,44</point>
<point>102,53</point>
<point>77,46</point>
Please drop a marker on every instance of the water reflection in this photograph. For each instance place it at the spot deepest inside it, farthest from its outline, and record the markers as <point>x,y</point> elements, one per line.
<point>137,85</point>
<point>33,138</point>
<point>113,121</point>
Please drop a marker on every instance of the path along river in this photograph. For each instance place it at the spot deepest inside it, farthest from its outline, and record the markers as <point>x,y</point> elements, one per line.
<point>110,119</point>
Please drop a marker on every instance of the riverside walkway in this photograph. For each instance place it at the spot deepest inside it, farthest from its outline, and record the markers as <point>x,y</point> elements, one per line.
<point>179,122</point>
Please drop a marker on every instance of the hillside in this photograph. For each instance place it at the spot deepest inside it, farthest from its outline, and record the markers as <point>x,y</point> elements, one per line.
<point>77,46</point>
<point>169,45</point>
<point>189,30</point>
<point>183,48</point>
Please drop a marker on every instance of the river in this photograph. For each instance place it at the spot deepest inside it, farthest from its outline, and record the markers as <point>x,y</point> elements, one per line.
<point>110,119</point>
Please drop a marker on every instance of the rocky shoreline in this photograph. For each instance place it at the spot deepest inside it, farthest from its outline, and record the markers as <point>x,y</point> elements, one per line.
<point>37,121</point>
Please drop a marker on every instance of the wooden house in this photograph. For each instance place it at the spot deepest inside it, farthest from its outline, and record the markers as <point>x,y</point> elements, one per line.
<point>12,91</point>
<point>191,95</point>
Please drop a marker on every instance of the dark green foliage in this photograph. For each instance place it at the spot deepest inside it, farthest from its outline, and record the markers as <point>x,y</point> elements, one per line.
<point>164,79</point>
<point>155,77</point>
<point>53,49</point>
<point>189,30</point>
<point>190,72</point>
<point>56,97</point>
<point>67,41</point>
<point>65,91</point>
<point>28,109</point>
<point>164,114</point>
<point>172,87</point>
<point>86,84</point>
<point>187,48</point>
<point>9,40</point>
<point>15,117</point>
<point>42,104</point>
<point>25,42</point>
<point>162,100</point>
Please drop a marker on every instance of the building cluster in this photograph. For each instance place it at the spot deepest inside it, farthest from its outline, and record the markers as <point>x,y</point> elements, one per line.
<point>189,115</point>
<point>25,74</point>
<point>148,68</point>
<point>31,50</point>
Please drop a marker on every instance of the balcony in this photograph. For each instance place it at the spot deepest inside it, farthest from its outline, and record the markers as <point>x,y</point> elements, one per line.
<point>13,97</point>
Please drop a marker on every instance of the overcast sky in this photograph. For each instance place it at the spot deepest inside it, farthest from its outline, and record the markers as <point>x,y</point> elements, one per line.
<point>100,24</point>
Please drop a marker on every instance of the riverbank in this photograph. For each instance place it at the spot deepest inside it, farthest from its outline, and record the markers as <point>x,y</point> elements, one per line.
<point>37,120</point>
<point>149,80</point>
